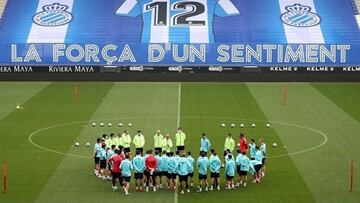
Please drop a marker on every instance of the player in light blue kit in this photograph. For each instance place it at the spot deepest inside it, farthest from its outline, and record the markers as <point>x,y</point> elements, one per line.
<point>230,168</point>
<point>252,146</point>
<point>139,167</point>
<point>245,166</point>
<point>109,153</point>
<point>164,173</point>
<point>191,172</point>
<point>238,160</point>
<point>172,165</point>
<point>263,151</point>
<point>101,153</point>
<point>183,171</point>
<point>257,163</point>
<point>203,165</point>
<point>97,147</point>
<point>159,168</point>
<point>126,167</point>
<point>215,165</point>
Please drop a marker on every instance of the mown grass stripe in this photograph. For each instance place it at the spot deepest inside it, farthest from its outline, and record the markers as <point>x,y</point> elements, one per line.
<point>28,167</point>
<point>283,182</point>
<point>309,107</point>
<point>148,106</point>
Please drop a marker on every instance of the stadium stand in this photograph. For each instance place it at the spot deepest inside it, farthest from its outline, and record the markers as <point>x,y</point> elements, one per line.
<point>356,6</point>
<point>355,3</point>
<point>2,7</point>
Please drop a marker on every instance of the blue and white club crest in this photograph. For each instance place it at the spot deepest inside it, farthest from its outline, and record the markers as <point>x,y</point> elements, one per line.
<point>298,15</point>
<point>53,15</point>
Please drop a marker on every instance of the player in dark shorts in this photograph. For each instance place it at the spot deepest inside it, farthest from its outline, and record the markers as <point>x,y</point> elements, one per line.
<point>171,171</point>
<point>230,171</point>
<point>158,171</point>
<point>138,163</point>
<point>229,178</point>
<point>151,165</point>
<point>97,146</point>
<point>103,164</point>
<point>202,164</point>
<point>115,162</point>
<point>214,175</point>
<point>102,152</point>
<point>191,173</point>
<point>183,171</point>
<point>257,166</point>
<point>138,176</point>
<point>126,168</point>
<point>215,165</point>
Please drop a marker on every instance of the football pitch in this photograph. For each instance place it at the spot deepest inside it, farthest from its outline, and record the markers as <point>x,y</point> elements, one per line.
<point>317,134</point>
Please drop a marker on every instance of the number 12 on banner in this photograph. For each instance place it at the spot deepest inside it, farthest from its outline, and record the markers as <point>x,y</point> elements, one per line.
<point>186,10</point>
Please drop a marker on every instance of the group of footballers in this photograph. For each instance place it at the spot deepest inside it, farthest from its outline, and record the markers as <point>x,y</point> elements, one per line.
<point>113,161</point>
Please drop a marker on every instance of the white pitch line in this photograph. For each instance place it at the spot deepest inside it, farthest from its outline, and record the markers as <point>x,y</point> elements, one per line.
<point>178,125</point>
<point>54,151</point>
<point>179,106</point>
<point>178,117</point>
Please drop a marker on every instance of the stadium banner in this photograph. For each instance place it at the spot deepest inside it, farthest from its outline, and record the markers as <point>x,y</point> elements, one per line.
<point>180,32</point>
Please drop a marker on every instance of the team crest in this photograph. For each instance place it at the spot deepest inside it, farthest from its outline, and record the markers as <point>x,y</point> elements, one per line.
<point>298,15</point>
<point>53,15</point>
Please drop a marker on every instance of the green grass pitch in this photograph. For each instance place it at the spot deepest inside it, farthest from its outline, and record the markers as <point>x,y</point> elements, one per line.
<point>317,133</point>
